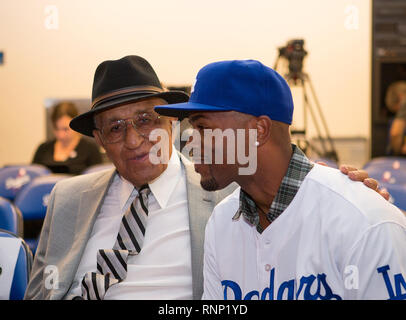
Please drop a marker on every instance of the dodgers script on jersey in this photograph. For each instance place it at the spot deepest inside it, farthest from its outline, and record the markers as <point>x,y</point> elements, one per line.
<point>336,240</point>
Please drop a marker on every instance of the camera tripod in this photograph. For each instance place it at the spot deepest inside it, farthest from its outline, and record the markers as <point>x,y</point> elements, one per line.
<point>302,79</point>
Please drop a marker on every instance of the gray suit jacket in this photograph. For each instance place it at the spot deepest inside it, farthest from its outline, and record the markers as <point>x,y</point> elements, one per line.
<point>72,211</point>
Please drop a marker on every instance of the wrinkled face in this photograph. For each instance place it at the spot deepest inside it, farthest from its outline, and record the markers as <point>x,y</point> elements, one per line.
<point>130,154</point>
<point>217,174</point>
<point>62,131</point>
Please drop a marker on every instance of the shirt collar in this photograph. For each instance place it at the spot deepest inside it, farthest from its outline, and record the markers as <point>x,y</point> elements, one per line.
<point>127,190</point>
<point>299,167</point>
<point>159,186</point>
<point>163,186</point>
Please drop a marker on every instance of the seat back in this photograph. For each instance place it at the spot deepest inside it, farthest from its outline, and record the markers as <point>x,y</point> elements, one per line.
<point>397,194</point>
<point>13,179</point>
<point>33,199</point>
<point>10,217</point>
<point>387,174</point>
<point>33,202</point>
<point>389,163</point>
<point>16,262</point>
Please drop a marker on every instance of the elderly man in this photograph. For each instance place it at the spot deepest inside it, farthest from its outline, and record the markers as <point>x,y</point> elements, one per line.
<point>96,224</point>
<point>295,229</point>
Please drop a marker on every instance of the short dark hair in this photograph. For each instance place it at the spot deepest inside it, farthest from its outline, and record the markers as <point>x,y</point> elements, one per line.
<point>63,109</point>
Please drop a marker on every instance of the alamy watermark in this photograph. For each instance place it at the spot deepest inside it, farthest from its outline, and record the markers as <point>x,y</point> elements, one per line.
<point>351,20</point>
<point>351,277</point>
<point>51,277</point>
<point>51,21</point>
<point>240,146</point>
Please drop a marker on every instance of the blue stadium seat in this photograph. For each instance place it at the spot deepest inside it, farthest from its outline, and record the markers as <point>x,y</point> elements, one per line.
<point>15,262</point>
<point>389,163</point>
<point>33,202</point>
<point>98,167</point>
<point>11,218</point>
<point>397,193</point>
<point>387,174</point>
<point>13,179</point>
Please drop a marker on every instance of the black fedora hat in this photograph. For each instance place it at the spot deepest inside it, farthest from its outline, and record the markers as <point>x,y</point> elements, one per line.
<point>118,82</point>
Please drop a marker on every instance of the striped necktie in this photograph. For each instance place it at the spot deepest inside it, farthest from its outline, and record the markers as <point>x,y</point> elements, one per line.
<point>112,263</point>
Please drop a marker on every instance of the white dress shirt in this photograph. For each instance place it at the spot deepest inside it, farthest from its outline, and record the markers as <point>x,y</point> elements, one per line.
<point>162,270</point>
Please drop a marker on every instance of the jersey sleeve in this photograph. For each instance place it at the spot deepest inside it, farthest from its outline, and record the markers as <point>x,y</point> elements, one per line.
<point>376,267</point>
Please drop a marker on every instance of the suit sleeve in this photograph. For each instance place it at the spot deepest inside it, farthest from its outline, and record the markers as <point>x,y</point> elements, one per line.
<point>376,268</point>
<point>36,289</point>
<point>212,289</point>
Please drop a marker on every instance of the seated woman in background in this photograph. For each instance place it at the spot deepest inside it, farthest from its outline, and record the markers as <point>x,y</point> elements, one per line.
<point>69,152</point>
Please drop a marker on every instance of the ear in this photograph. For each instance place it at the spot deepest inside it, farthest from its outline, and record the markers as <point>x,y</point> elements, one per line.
<point>263,126</point>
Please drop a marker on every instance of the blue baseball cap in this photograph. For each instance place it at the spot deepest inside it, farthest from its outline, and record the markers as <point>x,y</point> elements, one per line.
<point>246,86</point>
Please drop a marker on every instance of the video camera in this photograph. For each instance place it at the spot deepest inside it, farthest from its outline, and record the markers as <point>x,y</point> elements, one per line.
<point>294,53</point>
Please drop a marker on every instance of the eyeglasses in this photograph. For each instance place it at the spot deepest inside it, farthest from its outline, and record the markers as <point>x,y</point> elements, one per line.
<point>143,123</point>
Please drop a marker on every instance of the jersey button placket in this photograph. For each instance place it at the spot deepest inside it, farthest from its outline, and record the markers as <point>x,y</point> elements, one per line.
<point>263,266</point>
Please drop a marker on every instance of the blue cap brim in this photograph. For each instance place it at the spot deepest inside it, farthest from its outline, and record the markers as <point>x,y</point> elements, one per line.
<point>182,110</point>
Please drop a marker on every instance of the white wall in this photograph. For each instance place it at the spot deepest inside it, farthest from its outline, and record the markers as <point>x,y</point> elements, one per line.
<point>178,37</point>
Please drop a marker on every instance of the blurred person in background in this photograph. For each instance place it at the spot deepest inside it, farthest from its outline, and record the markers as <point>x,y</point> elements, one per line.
<point>68,152</point>
<point>395,101</point>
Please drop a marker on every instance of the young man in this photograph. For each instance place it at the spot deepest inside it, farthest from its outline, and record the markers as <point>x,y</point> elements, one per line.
<point>295,229</point>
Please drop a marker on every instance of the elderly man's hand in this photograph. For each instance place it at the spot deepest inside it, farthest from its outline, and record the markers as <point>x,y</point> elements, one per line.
<point>362,176</point>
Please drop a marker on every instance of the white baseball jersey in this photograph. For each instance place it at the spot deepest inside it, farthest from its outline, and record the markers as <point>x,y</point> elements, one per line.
<point>336,240</point>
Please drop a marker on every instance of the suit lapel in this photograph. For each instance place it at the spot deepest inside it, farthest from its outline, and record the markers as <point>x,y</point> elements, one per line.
<point>90,203</point>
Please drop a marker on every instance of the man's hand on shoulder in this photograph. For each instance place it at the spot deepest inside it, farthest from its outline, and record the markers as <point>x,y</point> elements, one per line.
<point>361,176</point>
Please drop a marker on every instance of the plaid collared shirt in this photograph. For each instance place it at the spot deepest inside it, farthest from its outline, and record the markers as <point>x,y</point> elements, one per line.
<point>299,167</point>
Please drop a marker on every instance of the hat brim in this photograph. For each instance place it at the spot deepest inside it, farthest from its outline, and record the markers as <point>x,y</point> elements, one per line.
<point>84,123</point>
<point>183,110</point>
